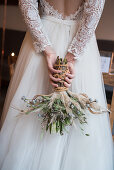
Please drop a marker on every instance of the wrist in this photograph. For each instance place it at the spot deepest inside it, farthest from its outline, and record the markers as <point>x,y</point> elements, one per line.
<point>49,51</point>
<point>70,58</point>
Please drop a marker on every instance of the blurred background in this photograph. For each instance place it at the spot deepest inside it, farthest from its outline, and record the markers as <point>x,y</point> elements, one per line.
<point>12,31</point>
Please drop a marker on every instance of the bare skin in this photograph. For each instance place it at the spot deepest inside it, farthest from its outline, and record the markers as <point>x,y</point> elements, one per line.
<point>66,7</point>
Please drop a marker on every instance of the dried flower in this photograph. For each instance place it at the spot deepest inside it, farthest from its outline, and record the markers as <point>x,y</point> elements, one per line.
<point>23,98</point>
<point>59,110</point>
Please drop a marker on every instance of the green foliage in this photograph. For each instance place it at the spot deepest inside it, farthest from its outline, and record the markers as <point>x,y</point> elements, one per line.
<point>56,118</point>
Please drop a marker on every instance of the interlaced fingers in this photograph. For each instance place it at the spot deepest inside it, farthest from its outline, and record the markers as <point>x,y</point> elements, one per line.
<point>60,65</point>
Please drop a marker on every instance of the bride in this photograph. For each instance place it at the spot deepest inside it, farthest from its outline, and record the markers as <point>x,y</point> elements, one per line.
<point>64,28</point>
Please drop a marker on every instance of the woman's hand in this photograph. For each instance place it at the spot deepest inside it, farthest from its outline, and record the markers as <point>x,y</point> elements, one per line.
<point>51,57</point>
<point>69,77</point>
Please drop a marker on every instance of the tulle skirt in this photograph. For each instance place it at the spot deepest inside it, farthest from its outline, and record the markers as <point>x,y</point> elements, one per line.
<point>21,143</point>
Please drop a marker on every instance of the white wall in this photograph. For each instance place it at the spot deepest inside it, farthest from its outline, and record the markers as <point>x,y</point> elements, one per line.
<point>105,29</point>
<point>14,19</point>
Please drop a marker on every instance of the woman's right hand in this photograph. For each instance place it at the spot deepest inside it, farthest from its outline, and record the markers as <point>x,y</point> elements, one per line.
<point>51,57</point>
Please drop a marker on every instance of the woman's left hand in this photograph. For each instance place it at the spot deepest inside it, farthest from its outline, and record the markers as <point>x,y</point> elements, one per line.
<point>70,76</point>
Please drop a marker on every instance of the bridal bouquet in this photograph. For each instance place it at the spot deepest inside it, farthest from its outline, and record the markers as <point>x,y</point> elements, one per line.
<point>61,108</point>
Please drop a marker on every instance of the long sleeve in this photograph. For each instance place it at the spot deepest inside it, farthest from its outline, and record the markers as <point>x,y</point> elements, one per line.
<point>90,18</point>
<point>29,9</point>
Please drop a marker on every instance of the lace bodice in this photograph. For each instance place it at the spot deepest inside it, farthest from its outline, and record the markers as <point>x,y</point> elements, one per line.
<point>89,13</point>
<point>47,9</point>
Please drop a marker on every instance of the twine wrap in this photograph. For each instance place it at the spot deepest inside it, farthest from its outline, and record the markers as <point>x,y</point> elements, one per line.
<point>61,64</point>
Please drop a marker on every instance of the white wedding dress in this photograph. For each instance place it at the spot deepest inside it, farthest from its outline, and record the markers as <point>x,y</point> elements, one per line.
<point>21,145</point>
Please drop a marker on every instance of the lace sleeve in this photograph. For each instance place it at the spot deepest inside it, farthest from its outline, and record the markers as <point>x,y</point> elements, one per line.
<point>91,16</point>
<point>29,9</point>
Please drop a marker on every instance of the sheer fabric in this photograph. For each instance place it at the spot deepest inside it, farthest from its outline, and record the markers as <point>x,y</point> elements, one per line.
<point>32,19</point>
<point>89,12</point>
<point>91,15</point>
<point>61,10</point>
<point>21,145</point>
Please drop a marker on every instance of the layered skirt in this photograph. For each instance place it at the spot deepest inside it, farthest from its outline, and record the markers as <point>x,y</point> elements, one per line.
<point>21,144</point>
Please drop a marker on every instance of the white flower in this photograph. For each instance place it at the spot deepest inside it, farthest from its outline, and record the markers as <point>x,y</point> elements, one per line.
<point>23,98</point>
<point>28,105</point>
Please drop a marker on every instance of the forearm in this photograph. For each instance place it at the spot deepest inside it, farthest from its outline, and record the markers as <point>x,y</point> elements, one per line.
<point>29,10</point>
<point>91,16</point>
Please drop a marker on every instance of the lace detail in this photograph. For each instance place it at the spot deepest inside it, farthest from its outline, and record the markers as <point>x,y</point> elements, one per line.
<point>29,9</point>
<point>91,15</point>
<point>47,9</point>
